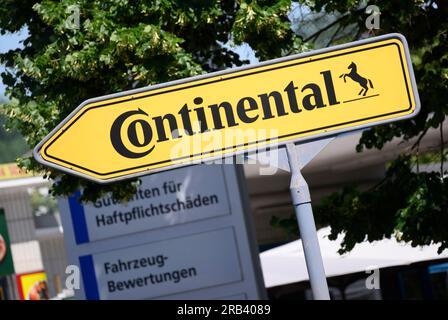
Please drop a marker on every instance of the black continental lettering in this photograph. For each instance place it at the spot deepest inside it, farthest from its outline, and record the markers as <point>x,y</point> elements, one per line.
<point>331,94</point>
<point>186,121</point>
<point>266,104</point>
<point>117,140</point>
<point>134,141</point>
<point>243,111</point>
<point>292,97</point>
<point>173,128</point>
<point>215,108</point>
<point>315,95</point>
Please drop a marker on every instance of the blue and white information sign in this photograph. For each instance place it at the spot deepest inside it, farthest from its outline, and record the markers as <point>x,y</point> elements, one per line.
<point>163,200</point>
<point>185,234</point>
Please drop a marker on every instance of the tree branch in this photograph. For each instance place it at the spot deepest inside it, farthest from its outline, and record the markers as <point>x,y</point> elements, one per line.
<point>334,35</point>
<point>442,145</point>
<point>338,20</point>
<point>419,138</point>
<point>318,32</point>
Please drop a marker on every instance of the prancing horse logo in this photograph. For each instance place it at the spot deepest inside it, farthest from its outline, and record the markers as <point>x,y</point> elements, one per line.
<point>355,76</point>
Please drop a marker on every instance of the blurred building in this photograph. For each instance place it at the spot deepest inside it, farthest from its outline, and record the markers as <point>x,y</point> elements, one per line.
<point>37,236</point>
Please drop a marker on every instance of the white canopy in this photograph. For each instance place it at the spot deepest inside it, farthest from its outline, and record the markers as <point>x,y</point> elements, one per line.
<point>286,264</point>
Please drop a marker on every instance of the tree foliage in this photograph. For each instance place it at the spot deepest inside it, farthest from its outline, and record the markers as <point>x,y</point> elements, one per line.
<point>120,45</point>
<point>124,44</point>
<point>409,204</point>
<point>12,144</point>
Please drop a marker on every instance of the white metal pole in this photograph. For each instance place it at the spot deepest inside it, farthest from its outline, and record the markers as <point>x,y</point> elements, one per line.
<point>302,204</point>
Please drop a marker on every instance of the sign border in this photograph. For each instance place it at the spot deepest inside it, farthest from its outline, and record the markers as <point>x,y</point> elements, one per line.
<point>69,169</point>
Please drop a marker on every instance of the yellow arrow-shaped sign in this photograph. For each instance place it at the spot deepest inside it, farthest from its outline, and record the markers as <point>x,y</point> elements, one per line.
<point>296,98</point>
